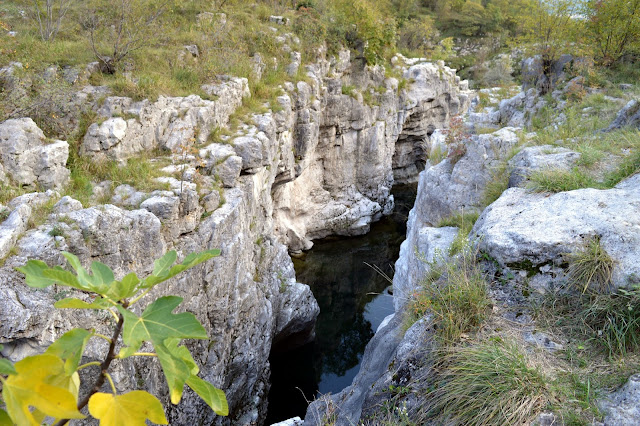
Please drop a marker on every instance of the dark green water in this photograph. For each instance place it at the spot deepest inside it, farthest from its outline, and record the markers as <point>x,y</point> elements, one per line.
<point>353,299</point>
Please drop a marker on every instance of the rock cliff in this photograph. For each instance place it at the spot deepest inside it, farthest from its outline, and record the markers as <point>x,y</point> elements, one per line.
<point>322,164</point>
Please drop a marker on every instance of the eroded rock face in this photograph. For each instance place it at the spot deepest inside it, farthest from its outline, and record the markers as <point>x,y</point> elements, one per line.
<point>29,159</point>
<point>348,154</point>
<point>449,188</point>
<point>170,123</point>
<point>539,229</point>
<point>322,164</point>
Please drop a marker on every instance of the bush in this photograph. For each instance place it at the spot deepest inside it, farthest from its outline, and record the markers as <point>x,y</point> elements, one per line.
<point>489,383</point>
<point>457,139</point>
<point>50,382</point>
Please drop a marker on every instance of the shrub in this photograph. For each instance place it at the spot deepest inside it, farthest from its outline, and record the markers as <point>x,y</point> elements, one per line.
<point>50,382</point>
<point>590,267</point>
<point>457,139</point>
<point>489,383</point>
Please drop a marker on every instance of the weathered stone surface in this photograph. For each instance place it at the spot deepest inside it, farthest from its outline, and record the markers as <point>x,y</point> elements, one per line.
<point>540,158</point>
<point>453,188</point>
<point>348,154</point>
<point>12,227</point>
<point>627,116</point>
<point>424,245</point>
<point>621,407</point>
<point>67,205</point>
<point>28,159</point>
<point>542,228</point>
<point>168,123</point>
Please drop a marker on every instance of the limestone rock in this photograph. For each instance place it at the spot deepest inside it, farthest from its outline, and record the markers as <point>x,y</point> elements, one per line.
<point>540,158</point>
<point>453,188</point>
<point>170,123</point>
<point>66,205</point>
<point>27,157</point>
<point>621,407</point>
<point>627,116</point>
<point>541,228</point>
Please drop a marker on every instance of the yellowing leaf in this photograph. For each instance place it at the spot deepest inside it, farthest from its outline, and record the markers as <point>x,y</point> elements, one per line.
<point>213,396</point>
<point>129,409</point>
<point>41,383</point>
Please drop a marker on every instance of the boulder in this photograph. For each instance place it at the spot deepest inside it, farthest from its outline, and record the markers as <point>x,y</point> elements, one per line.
<point>629,115</point>
<point>29,158</point>
<point>450,188</point>
<point>539,158</point>
<point>534,229</point>
<point>621,407</point>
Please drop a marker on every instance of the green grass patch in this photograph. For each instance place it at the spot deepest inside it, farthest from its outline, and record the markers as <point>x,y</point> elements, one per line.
<point>455,294</point>
<point>561,180</point>
<point>464,222</point>
<point>590,267</point>
<point>488,383</point>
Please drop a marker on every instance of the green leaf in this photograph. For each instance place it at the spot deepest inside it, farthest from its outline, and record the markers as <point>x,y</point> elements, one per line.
<point>73,303</point>
<point>102,274</point>
<point>41,383</point>
<point>182,353</point>
<point>121,290</point>
<point>98,282</point>
<point>175,370</point>
<point>6,367</point>
<point>62,277</point>
<point>213,396</point>
<point>129,409</point>
<point>161,266</point>
<point>33,272</point>
<point>157,324</point>
<point>5,420</point>
<point>70,347</point>
<point>189,262</point>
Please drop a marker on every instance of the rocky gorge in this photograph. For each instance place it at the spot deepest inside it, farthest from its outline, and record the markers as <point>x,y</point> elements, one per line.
<point>322,164</point>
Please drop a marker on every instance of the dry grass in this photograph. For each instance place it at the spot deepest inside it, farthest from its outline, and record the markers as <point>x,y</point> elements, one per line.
<point>487,383</point>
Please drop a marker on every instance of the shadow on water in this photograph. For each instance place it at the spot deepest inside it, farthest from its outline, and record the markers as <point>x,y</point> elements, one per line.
<point>353,299</point>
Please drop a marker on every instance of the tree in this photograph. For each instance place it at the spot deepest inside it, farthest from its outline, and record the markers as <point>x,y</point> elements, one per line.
<point>122,29</point>
<point>49,14</point>
<point>50,384</point>
<point>550,32</point>
<point>613,28</point>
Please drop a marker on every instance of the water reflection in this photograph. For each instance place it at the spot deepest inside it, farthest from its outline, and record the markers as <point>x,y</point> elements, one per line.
<point>353,299</point>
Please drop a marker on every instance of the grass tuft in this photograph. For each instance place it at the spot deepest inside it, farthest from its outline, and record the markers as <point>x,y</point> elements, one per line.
<point>489,383</point>
<point>457,299</point>
<point>590,267</point>
<point>464,222</point>
<point>561,180</point>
